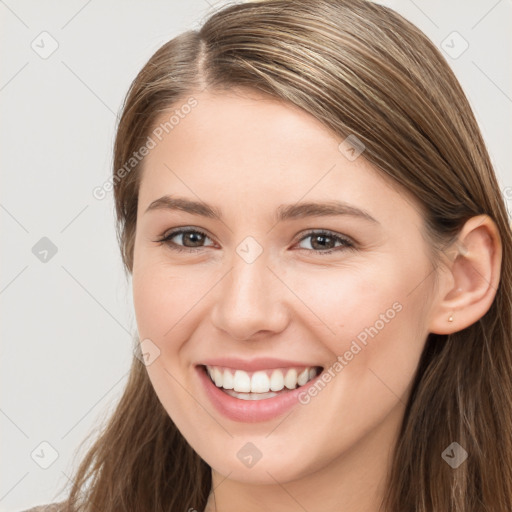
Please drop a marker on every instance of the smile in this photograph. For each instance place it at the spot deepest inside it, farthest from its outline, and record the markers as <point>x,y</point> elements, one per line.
<point>260,384</point>
<point>254,396</point>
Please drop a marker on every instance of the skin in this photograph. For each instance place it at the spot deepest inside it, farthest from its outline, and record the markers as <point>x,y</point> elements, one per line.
<point>246,154</point>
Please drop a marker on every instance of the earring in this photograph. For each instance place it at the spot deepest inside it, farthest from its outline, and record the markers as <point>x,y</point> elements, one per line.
<point>450,318</point>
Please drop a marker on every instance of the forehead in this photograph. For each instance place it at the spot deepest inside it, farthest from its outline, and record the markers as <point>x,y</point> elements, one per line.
<point>244,124</point>
<point>248,149</point>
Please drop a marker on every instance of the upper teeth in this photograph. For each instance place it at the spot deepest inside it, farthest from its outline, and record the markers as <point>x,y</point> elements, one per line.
<point>261,381</point>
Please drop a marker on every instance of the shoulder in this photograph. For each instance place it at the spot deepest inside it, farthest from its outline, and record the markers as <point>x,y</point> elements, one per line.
<point>50,507</point>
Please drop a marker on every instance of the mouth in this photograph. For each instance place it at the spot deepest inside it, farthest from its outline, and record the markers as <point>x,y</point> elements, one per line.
<point>257,390</point>
<point>261,384</point>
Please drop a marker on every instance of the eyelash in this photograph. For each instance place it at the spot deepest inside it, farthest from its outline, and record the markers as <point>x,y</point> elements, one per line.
<point>346,243</point>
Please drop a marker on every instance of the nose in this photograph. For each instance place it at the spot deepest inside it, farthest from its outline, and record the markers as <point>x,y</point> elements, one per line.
<point>250,301</point>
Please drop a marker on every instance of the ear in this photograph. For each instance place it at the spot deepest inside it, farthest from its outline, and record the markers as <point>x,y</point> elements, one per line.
<point>468,285</point>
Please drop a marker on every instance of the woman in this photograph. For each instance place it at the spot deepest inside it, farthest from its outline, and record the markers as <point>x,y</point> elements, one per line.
<point>321,265</point>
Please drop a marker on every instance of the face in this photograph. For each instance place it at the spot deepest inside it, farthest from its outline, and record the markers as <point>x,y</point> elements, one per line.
<point>265,291</point>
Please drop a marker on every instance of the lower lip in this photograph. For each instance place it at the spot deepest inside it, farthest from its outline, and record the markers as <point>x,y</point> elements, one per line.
<point>251,411</point>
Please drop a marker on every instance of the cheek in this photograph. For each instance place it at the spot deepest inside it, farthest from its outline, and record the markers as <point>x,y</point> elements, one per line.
<point>162,296</point>
<point>369,320</point>
<point>346,301</point>
<point>378,340</point>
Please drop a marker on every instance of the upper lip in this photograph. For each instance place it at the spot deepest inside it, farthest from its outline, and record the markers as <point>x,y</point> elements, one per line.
<point>253,365</point>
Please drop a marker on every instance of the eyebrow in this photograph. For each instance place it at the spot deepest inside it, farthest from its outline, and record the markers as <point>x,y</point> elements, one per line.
<point>284,212</point>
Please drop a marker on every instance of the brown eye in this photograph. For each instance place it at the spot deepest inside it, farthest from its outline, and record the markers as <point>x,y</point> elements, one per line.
<point>191,238</point>
<point>324,242</point>
<point>185,239</point>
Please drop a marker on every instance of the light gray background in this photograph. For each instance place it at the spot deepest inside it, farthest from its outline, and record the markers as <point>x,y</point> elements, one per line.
<point>67,323</point>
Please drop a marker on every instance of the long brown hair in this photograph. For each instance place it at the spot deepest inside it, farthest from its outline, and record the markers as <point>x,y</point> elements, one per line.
<point>363,70</point>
